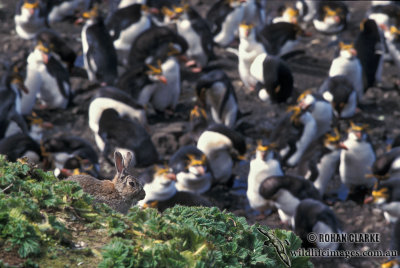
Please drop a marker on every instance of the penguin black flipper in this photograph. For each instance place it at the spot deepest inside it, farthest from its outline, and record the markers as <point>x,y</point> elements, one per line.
<point>134,80</point>
<point>278,79</point>
<point>122,18</point>
<point>340,88</point>
<point>58,71</point>
<point>384,162</point>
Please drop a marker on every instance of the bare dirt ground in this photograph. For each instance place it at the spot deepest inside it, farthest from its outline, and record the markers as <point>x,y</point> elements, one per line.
<point>380,110</point>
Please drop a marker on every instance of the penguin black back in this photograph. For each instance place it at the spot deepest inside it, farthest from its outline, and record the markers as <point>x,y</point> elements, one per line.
<point>278,79</point>
<point>150,40</point>
<point>180,158</point>
<point>237,140</point>
<point>123,18</point>
<point>217,14</point>
<point>16,145</point>
<point>297,186</point>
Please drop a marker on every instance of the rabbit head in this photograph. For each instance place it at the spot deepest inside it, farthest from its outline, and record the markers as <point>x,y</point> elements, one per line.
<point>125,183</point>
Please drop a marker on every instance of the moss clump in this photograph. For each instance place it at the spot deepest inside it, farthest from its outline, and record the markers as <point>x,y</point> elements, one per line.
<point>54,223</point>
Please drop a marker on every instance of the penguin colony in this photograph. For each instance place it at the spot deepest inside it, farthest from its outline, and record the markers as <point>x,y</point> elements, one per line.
<point>138,57</point>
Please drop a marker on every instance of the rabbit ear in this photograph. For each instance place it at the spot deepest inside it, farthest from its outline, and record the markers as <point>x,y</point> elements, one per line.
<point>118,162</point>
<point>129,160</point>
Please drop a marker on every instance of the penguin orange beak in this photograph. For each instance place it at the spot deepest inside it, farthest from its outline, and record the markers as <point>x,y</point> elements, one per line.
<point>353,52</point>
<point>65,172</point>
<point>337,19</point>
<point>31,11</point>
<point>162,79</point>
<point>368,200</point>
<point>45,58</point>
<point>342,146</point>
<point>171,176</point>
<point>201,170</point>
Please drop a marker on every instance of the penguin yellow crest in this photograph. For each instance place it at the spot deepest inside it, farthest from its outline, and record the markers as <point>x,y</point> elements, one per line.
<point>181,9</point>
<point>303,95</point>
<point>292,12</point>
<point>31,5</point>
<point>390,264</point>
<point>196,162</point>
<point>153,69</point>
<point>344,46</point>
<point>355,127</point>
<point>330,12</point>
<point>333,138</point>
<point>160,170</point>
<point>246,26</point>
<point>197,112</point>
<point>167,12</point>
<point>41,47</point>
<point>94,12</point>
<point>296,113</point>
<point>381,193</point>
<point>394,30</point>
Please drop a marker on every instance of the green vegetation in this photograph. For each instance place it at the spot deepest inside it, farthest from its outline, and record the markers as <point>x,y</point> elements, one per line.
<point>50,223</point>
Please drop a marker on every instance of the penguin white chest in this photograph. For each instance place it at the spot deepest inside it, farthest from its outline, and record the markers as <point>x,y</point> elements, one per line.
<point>350,68</point>
<point>326,169</point>
<point>356,162</point>
<point>287,203</point>
<point>50,92</point>
<point>166,95</point>
<point>259,171</point>
<point>257,69</point>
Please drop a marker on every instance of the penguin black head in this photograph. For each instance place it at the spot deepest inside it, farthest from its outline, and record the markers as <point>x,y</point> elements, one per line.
<point>368,26</point>
<point>175,12</point>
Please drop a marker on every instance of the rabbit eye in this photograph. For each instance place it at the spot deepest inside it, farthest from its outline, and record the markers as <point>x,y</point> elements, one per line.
<point>132,183</point>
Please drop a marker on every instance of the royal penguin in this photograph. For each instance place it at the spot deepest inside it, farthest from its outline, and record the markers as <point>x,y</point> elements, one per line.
<point>370,49</point>
<point>287,14</point>
<point>113,98</point>
<point>331,17</point>
<point>322,159</point>
<point>61,10</point>
<point>161,192</point>
<point>356,162</point>
<point>126,23</point>
<point>313,216</point>
<point>300,131</point>
<point>274,78</point>
<point>147,44</point>
<point>222,146</point>
<point>385,16</point>
<point>225,17</point>
<point>46,79</point>
<point>119,132</point>
<point>99,55</point>
<point>72,154</point>
<point>11,88</point>
<point>30,18</point>
<point>386,196</point>
<point>319,108</point>
<point>216,90</point>
<point>249,48</point>
<point>339,91</point>
<point>346,63</point>
<point>264,165</point>
<point>198,123</point>
<point>59,46</point>
<point>196,32</point>
<point>21,145</point>
<point>286,192</point>
<point>191,168</point>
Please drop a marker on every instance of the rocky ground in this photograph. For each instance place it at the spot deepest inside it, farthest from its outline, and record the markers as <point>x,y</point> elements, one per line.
<point>380,110</point>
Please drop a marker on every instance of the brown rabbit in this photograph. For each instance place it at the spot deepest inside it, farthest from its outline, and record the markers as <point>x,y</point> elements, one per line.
<point>120,193</point>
